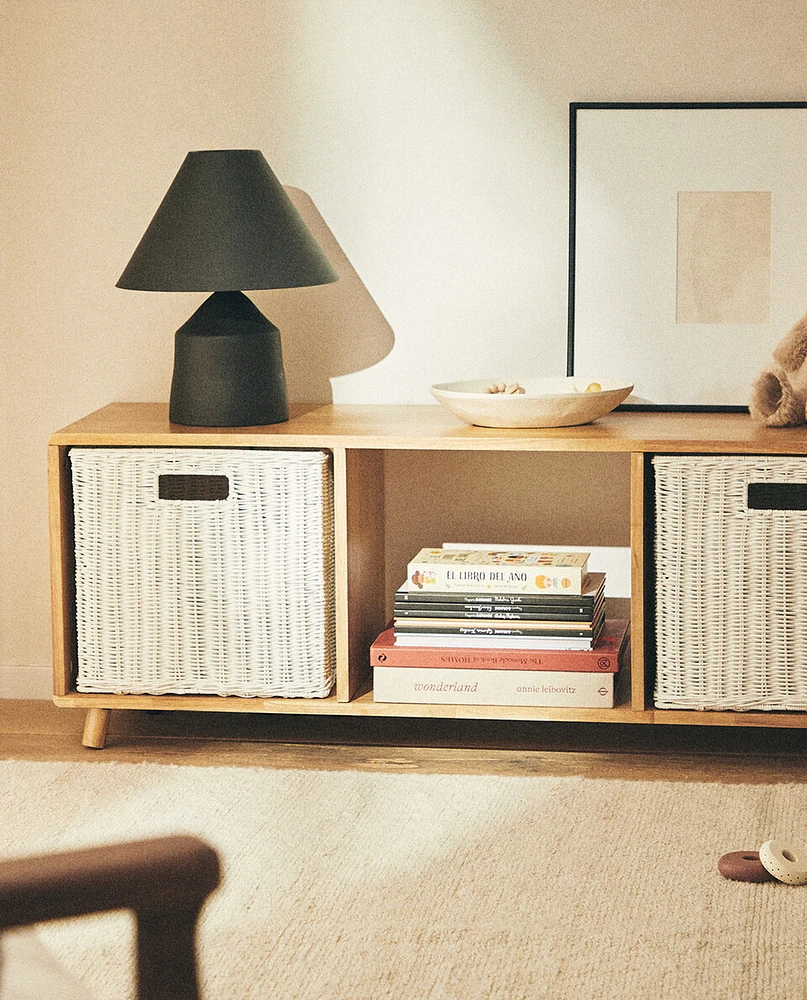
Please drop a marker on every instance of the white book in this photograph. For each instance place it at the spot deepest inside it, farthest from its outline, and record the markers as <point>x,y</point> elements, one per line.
<point>489,641</point>
<point>612,560</point>
<point>515,571</point>
<point>539,688</point>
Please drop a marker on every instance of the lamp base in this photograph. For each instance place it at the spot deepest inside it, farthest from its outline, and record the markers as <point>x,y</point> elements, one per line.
<point>228,367</point>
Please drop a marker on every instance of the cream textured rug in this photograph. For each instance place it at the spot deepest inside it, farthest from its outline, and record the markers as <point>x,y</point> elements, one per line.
<point>365,886</point>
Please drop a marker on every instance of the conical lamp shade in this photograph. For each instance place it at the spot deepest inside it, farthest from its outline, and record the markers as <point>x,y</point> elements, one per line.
<point>226,224</point>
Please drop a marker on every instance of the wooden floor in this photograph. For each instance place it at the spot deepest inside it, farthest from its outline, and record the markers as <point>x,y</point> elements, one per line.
<point>37,730</point>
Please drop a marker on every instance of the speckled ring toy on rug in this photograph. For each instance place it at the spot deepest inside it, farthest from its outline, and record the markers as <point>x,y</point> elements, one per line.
<point>785,861</point>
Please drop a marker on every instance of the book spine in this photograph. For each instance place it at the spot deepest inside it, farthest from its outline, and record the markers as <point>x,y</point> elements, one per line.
<point>501,601</point>
<point>418,639</point>
<point>447,658</point>
<point>504,579</point>
<point>504,630</point>
<point>545,689</point>
<point>491,612</point>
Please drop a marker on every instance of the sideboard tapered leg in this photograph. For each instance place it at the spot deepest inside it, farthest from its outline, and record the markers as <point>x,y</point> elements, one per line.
<point>95,727</point>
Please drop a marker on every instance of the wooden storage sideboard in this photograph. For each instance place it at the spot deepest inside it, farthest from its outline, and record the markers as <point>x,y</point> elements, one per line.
<point>359,437</point>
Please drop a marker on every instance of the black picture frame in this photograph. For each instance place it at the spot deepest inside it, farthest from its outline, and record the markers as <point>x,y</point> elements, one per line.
<point>759,341</point>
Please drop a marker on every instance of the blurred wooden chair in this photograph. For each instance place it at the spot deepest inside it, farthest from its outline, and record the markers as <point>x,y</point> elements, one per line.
<point>165,881</point>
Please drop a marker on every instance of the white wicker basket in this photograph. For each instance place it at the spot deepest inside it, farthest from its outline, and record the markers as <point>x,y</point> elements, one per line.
<point>228,596</point>
<point>731,586</point>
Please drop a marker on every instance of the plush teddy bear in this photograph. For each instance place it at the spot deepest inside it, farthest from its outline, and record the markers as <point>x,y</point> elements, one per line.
<point>779,394</point>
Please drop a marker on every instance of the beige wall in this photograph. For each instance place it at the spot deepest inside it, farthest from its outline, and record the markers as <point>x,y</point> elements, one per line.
<point>430,136</point>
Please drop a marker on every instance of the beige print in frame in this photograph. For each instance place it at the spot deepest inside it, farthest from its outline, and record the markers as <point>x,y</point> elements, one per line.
<point>724,257</point>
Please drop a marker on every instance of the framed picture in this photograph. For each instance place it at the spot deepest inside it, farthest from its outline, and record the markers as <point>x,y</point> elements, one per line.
<point>687,246</point>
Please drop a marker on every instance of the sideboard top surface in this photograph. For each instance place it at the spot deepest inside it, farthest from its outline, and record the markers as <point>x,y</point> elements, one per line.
<point>431,427</point>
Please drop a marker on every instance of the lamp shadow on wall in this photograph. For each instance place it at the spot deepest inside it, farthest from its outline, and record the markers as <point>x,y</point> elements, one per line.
<point>326,330</point>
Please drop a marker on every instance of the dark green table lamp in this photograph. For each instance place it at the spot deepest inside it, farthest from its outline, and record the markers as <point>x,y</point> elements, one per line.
<point>225,225</point>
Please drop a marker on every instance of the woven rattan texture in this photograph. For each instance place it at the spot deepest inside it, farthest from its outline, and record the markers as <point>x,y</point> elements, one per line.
<point>212,596</point>
<point>731,586</point>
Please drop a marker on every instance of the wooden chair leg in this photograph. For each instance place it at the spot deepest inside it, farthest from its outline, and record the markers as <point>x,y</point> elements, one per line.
<point>96,726</point>
<point>164,880</point>
<point>166,955</point>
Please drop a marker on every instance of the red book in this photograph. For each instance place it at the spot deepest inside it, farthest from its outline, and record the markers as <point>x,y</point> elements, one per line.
<point>604,657</point>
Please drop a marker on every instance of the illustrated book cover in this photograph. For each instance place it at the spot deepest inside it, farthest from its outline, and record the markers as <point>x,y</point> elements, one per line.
<point>507,570</point>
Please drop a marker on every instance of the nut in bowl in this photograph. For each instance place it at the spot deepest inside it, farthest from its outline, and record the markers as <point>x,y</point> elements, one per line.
<point>535,402</point>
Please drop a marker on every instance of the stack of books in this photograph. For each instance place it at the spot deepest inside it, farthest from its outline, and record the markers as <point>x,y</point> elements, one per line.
<point>503,627</point>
